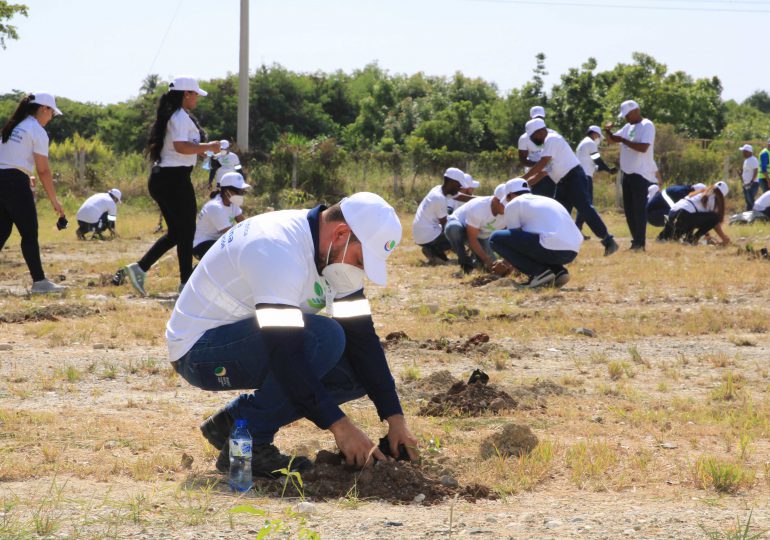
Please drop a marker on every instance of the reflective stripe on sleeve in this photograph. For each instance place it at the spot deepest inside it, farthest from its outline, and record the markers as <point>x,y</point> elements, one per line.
<point>352,308</point>
<point>667,198</point>
<point>596,155</point>
<point>285,318</point>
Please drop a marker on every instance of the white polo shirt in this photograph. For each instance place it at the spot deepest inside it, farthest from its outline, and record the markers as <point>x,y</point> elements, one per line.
<point>545,217</point>
<point>641,163</point>
<point>585,151</point>
<point>750,165</point>
<point>266,259</point>
<point>213,217</point>
<point>96,205</point>
<point>426,226</point>
<point>180,128</point>
<point>534,152</point>
<point>478,214</point>
<point>696,203</point>
<point>27,138</point>
<point>563,159</point>
<point>763,202</point>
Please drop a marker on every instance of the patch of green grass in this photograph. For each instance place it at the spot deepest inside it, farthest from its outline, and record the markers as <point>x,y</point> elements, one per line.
<point>723,476</point>
<point>590,464</point>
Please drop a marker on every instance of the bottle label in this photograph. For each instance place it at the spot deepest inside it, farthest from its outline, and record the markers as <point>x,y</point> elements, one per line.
<point>240,448</point>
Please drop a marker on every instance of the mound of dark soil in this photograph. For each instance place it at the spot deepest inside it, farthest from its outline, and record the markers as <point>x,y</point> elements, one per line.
<point>514,440</point>
<point>469,400</point>
<point>533,396</point>
<point>477,342</point>
<point>396,481</point>
<point>48,313</point>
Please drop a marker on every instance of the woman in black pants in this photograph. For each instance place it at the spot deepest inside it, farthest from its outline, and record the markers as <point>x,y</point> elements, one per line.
<point>24,147</point>
<point>174,146</point>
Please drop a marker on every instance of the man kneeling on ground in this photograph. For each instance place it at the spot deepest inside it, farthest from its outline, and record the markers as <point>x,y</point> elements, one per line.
<point>247,319</point>
<point>98,214</point>
<point>540,238</point>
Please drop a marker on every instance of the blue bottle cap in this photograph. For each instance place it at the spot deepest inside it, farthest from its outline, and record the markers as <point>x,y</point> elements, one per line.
<point>240,423</point>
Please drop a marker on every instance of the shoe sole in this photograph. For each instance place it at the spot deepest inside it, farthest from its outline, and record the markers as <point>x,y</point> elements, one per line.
<point>134,282</point>
<point>610,250</point>
<point>561,281</point>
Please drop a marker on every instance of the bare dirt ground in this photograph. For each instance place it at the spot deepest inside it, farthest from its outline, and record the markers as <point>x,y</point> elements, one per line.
<point>645,381</point>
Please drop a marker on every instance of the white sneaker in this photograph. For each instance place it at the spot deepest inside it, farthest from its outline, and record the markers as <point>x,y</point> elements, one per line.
<point>45,286</point>
<point>136,276</point>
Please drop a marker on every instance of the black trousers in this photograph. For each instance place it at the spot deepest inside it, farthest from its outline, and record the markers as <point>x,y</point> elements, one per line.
<point>572,192</point>
<point>635,207</point>
<point>200,250</point>
<point>99,227</point>
<point>172,189</point>
<point>579,219</point>
<point>692,226</point>
<point>17,207</point>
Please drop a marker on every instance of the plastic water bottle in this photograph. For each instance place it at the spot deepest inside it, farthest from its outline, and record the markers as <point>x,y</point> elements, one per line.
<point>240,457</point>
<point>206,166</point>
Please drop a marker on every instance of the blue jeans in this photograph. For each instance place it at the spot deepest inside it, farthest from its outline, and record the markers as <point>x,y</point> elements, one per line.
<point>763,184</point>
<point>572,192</point>
<point>524,251</point>
<point>232,357</point>
<point>458,239</point>
<point>749,193</point>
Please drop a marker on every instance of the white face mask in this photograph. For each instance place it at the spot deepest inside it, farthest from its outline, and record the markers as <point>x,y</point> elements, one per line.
<point>343,278</point>
<point>237,200</point>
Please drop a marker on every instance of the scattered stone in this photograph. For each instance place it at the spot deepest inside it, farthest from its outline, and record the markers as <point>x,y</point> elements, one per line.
<point>448,481</point>
<point>597,419</point>
<point>497,405</point>
<point>99,346</point>
<point>6,347</point>
<point>553,524</point>
<point>419,498</point>
<point>305,507</point>
<point>393,524</point>
<point>669,445</point>
<point>460,312</point>
<point>514,440</point>
<point>584,331</point>
<point>187,460</point>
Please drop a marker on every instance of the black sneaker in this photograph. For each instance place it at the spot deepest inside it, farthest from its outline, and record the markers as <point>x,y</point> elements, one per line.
<point>266,459</point>
<point>216,429</point>
<point>610,246</point>
<point>545,279</point>
<point>561,279</point>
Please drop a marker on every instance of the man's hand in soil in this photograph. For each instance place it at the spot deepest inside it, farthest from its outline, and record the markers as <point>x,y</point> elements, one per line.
<point>354,444</point>
<point>398,433</point>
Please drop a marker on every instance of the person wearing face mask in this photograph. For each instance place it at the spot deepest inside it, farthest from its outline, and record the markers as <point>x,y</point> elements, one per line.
<point>248,320</point>
<point>221,212</point>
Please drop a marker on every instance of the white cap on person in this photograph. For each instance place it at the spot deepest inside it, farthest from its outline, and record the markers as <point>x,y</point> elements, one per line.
<point>652,190</point>
<point>517,186</point>
<point>233,179</point>
<point>746,148</point>
<point>722,186</point>
<point>377,227</point>
<point>628,106</point>
<point>469,182</point>
<point>453,173</point>
<point>597,130</point>
<point>115,192</point>
<point>42,98</point>
<point>698,186</point>
<point>187,84</point>
<point>534,125</point>
<point>537,112</point>
<point>228,160</point>
<point>501,193</point>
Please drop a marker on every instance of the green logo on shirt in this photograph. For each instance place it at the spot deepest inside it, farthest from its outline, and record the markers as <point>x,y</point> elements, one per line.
<point>320,301</point>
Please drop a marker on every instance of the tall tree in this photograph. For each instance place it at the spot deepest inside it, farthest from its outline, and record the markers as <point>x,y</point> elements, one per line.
<point>7,12</point>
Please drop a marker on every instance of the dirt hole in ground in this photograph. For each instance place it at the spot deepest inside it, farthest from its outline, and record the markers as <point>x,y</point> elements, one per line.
<point>48,313</point>
<point>475,399</point>
<point>476,343</point>
<point>397,482</point>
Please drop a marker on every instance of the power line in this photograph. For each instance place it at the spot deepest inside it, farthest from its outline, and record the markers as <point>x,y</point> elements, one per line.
<point>165,35</point>
<point>635,6</point>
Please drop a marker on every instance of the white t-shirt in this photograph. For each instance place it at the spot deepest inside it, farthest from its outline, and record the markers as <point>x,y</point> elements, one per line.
<point>266,259</point>
<point>534,152</point>
<point>26,139</point>
<point>180,128</point>
<point>563,159</point>
<point>213,217</point>
<point>750,164</point>
<point>763,202</point>
<point>478,213</point>
<point>96,205</point>
<point>696,203</point>
<point>426,226</point>
<point>584,152</point>
<point>546,217</point>
<point>641,163</point>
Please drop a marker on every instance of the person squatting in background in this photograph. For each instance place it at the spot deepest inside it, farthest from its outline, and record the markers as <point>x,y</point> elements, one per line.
<point>571,182</point>
<point>24,148</point>
<point>99,213</point>
<point>221,212</point>
<point>637,162</point>
<point>472,225</point>
<point>660,201</point>
<point>590,159</point>
<point>540,237</point>
<point>176,141</point>
<point>697,214</point>
<point>762,204</point>
<point>749,178</point>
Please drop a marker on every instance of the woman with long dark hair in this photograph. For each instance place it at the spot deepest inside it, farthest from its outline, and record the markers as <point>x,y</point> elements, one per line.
<point>24,147</point>
<point>176,141</point>
<point>697,214</point>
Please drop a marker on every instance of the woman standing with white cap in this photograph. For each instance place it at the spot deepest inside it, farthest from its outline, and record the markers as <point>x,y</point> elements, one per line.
<point>174,146</point>
<point>24,147</point>
<point>695,215</point>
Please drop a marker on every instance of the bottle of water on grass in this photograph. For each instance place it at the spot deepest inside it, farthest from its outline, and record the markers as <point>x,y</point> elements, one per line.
<point>240,457</point>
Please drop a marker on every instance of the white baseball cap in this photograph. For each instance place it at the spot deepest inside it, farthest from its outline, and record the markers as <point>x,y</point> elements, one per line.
<point>698,186</point>
<point>722,186</point>
<point>501,193</point>
<point>536,111</point>
<point>652,190</point>
<point>517,185</point>
<point>453,173</point>
<point>628,106</point>
<point>596,129</point>
<point>747,148</point>
<point>377,227</point>
<point>233,179</point>
<point>187,84</point>
<point>228,160</point>
<point>469,182</point>
<point>115,192</point>
<point>41,98</point>
<point>534,125</point>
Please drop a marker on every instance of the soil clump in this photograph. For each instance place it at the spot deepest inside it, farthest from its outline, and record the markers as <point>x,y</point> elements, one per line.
<point>463,399</point>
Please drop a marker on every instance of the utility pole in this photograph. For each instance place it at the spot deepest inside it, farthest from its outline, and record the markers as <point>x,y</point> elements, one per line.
<point>243,80</point>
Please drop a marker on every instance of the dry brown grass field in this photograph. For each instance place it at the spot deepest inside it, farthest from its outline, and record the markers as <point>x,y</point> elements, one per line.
<point>660,429</point>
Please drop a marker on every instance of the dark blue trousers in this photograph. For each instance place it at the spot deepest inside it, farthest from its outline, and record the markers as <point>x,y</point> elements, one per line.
<point>524,251</point>
<point>572,192</point>
<point>579,219</point>
<point>635,207</point>
<point>545,187</point>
